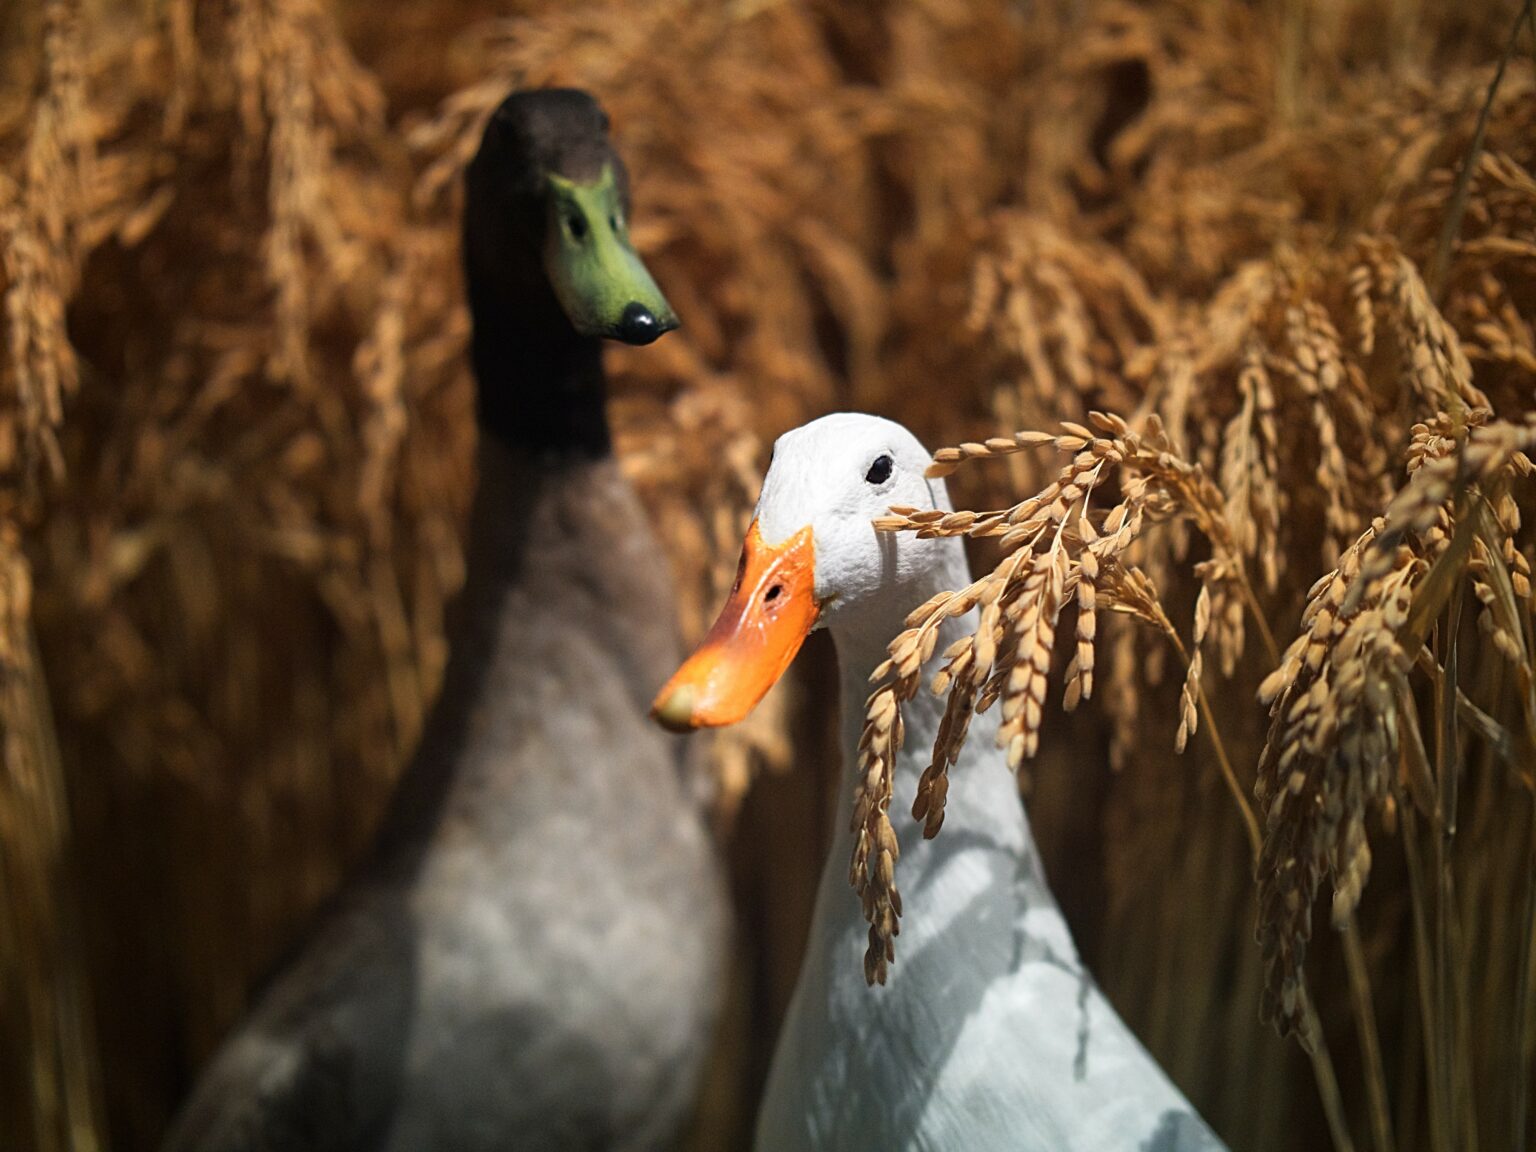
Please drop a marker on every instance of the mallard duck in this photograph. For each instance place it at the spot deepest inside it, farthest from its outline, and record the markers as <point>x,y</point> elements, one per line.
<point>532,955</point>
<point>990,1036</point>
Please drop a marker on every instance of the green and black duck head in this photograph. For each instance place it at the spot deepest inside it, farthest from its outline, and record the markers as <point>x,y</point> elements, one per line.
<point>551,271</point>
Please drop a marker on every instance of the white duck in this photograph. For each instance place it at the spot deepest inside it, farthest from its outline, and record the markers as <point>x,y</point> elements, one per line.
<point>990,1034</point>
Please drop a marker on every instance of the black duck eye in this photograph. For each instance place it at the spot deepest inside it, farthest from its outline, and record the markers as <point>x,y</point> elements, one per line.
<point>880,471</point>
<point>577,223</point>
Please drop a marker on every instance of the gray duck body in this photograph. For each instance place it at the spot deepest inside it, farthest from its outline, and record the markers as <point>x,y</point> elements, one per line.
<point>531,957</point>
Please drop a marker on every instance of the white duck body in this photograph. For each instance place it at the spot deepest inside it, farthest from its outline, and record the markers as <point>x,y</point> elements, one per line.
<point>990,1034</point>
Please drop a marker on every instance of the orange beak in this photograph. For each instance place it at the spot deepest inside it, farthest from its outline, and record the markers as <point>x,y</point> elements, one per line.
<point>771,610</point>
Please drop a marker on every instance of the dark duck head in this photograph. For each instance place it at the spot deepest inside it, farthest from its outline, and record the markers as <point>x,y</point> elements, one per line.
<point>551,271</point>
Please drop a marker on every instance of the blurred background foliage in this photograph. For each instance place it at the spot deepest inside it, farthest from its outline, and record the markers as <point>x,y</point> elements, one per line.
<point>235,432</point>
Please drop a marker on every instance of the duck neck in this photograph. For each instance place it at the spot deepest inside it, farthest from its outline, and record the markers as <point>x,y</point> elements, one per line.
<point>539,384</point>
<point>559,559</point>
<point>983,806</point>
<point>976,889</point>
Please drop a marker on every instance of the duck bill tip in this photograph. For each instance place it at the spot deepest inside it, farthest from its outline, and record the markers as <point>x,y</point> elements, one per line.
<point>766,618</point>
<point>673,708</point>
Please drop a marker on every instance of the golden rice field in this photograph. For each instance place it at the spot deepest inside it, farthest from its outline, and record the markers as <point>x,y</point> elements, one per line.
<point>1222,316</point>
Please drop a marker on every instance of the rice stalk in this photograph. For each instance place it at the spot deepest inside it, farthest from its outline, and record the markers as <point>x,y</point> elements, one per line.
<point>1370,1041</point>
<point>1458,205</point>
<point>1364,350</point>
<point>1525,1029</point>
<point>1059,551</point>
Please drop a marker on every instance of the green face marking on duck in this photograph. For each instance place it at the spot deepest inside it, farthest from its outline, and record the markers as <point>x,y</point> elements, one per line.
<point>597,276</point>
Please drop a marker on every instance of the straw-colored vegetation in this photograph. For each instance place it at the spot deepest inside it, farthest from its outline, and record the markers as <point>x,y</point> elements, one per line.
<point>1413,669</point>
<point>1273,335</point>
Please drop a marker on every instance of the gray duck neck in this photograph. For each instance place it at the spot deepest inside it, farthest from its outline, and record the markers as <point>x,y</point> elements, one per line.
<point>559,551</point>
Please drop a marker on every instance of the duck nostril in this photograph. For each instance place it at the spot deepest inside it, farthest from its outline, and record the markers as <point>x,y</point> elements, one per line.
<point>773,594</point>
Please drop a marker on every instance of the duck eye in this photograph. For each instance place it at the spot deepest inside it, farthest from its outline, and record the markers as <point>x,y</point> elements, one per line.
<point>880,471</point>
<point>577,223</point>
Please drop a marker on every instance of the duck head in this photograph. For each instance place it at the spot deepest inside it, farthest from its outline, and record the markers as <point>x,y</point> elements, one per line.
<point>813,559</point>
<point>546,222</point>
